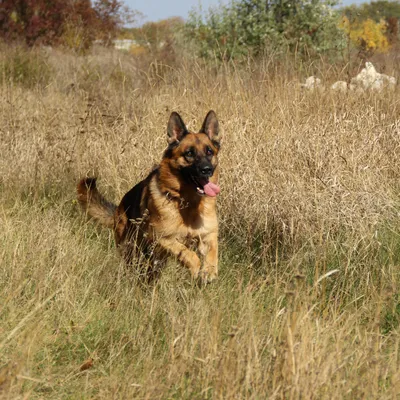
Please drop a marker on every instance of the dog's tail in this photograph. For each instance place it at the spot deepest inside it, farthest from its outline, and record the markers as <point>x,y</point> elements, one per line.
<point>94,204</point>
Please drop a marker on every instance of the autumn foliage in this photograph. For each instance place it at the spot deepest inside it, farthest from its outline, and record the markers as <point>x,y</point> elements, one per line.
<point>157,39</point>
<point>74,23</point>
<point>367,35</point>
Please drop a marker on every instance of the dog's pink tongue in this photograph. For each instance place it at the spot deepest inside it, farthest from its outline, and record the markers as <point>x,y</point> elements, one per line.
<point>211,189</point>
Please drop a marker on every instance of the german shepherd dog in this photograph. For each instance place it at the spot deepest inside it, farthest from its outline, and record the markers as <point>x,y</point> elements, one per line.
<point>172,212</point>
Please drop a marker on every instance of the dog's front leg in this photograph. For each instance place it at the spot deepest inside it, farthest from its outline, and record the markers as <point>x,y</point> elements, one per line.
<point>209,249</point>
<point>187,257</point>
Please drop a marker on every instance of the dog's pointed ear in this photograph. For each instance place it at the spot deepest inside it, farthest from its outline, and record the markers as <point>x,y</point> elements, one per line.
<point>211,128</point>
<point>176,128</point>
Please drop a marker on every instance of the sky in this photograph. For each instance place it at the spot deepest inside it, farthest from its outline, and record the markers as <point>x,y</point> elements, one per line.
<point>155,10</point>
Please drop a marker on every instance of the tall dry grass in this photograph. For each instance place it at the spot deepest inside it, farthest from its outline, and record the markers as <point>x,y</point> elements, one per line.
<point>307,304</point>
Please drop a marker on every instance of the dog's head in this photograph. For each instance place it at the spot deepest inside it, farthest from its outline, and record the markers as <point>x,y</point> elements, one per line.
<point>194,155</point>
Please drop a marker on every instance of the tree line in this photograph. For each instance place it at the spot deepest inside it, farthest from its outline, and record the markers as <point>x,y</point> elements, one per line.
<point>240,28</point>
<point>68,22</point>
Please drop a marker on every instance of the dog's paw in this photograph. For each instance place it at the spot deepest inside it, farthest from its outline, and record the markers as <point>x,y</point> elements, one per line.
<point>208,275</point>
<point>192,261</point>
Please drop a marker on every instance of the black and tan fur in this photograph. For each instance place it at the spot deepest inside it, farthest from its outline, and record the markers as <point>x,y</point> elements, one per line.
<point>164,214</point>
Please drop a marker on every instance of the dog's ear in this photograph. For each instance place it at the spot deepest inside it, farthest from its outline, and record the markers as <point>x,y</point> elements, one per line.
<point>176,128</point>
<point>211,128</point>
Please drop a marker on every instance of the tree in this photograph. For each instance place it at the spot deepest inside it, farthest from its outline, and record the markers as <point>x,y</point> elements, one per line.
<point>377,11</point>
<point>108,18</point>
<point>252,26</point>
<point>79,25</point>
<point>33,20</point>
<point>156,36</point>
<point>59,21</point>
<point>367,35</point>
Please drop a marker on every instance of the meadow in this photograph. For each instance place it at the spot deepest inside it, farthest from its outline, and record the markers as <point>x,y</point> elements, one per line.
<point>307,303</point>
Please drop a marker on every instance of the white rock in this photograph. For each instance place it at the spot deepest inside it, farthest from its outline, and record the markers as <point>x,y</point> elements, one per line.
<point>377,85</point>
<point>339,86</point>
<point>313,83</point>
<point>369,78</point>
<point>389,81</point>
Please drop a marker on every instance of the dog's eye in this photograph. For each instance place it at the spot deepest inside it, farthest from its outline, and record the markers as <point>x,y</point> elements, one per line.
<point>209,152</point>
<point>189,153</point>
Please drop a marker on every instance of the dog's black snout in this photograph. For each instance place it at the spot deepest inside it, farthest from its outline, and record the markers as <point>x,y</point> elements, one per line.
<point>206,171</point>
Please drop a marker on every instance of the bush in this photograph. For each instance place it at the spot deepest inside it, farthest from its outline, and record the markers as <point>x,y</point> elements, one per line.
<point>252,27</point>
<point>75,23</point>
<point>28,68</point>
<point>368,36</point>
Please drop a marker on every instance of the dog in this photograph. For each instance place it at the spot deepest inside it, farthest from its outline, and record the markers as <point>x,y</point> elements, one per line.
<point>173,208</point>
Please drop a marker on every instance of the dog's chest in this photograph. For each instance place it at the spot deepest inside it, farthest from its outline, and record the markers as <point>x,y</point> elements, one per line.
<point>182,219</point>
<point>189,224</point>
<point>185,224</point>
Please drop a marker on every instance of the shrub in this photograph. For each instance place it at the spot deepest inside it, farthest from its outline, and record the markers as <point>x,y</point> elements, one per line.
<point>368,36</point>
<point>252,27</point>
<point>74,23</point>
<point>28,68</point>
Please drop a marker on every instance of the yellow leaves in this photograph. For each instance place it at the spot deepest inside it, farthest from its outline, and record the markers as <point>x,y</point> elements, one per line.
<point>14,17</point>
<point>75,36</point>
<point>367,35</point>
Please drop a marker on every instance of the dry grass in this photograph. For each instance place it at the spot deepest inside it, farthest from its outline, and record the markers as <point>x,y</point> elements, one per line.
<point>307,304</point>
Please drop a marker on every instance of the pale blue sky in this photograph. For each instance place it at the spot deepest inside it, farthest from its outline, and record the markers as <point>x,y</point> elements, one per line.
<point>155,10</point>
<point>159,9</point>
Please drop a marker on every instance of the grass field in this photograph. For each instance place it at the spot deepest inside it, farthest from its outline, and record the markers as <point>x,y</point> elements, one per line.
<point>307,305</point>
